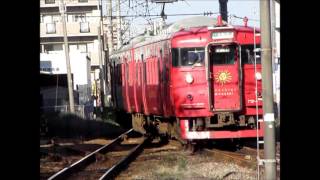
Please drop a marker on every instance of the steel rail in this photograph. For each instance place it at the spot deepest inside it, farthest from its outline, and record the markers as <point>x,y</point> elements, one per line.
<point>115,169</point>
<point>62,174</point>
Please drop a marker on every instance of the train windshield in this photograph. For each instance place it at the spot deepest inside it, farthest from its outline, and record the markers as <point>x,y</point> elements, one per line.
<point>188,56</point>
<point>220,55</point>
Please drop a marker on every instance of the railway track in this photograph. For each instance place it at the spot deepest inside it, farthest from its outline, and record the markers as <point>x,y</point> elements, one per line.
<point>105,162</point>
<point>246,155</point>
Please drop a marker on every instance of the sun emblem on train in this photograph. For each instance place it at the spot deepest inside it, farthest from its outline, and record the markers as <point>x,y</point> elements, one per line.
<point>223,77</point>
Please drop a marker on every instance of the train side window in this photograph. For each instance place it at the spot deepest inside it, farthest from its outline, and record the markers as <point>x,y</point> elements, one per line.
<point>120,74</point>
<point>247,54</point>
<point>175,57</point>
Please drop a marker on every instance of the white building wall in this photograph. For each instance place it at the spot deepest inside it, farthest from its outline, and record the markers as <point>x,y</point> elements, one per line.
<point>78,62</point>
<point>277,14</point>
<point>276,55</point>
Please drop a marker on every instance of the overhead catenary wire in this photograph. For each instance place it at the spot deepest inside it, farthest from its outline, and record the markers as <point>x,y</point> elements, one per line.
<point>208,13</point>
<point>232,15</point>
<point>144,15</point>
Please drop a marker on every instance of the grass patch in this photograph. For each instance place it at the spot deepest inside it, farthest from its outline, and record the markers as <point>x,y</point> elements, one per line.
<point>168,173</point>
<point>172,167</point>
<point>170,159</point>
<point>182,163</point>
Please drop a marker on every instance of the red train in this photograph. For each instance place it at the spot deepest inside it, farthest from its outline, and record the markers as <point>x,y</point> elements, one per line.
<point>194,83</point>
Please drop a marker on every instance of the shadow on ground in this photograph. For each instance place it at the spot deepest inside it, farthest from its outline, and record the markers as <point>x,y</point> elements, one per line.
<point>72,126</point>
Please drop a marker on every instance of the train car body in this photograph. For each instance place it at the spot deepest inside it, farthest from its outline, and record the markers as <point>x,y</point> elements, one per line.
<point>193,83</point>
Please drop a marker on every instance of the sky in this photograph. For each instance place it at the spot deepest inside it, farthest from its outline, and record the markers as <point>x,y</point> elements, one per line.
<point>240,8</point>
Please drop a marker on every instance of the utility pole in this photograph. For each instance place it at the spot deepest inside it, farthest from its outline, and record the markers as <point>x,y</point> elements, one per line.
<point>119,36</point>
<point>101,59</point>
<point>110,29</point>
<point>66,50</point>
<point>102,79</point>
<point>223,9</point>
<point>267,94</point>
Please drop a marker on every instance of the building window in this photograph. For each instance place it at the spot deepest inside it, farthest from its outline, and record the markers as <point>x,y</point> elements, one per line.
<point>83,0</point>
<point>51,28</point>
<point>84,27</point>
<point>52,47</point>
<point>49,1</point>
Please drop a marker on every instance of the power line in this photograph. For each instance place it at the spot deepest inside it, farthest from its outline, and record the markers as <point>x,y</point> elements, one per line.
<point>232,15</point>
<point>144,15</point>
<point>158,15</point>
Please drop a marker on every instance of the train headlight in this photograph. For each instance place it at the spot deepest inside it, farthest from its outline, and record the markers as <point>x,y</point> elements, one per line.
<point>189,96</point>
<point>258,76</point>
<point>189,78</point>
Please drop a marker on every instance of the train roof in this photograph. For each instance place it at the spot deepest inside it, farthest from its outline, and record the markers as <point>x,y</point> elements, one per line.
<point>177,28</point>
<point>168,31</point>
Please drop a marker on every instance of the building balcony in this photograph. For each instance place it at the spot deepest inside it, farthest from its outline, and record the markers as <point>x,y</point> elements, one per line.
<point>55,29</point>
<point>55,3</point>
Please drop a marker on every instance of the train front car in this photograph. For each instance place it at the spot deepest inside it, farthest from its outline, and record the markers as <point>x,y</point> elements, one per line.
<point>213,82</point>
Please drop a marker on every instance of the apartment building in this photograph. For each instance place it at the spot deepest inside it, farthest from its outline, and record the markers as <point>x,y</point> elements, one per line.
<point>82,19</point>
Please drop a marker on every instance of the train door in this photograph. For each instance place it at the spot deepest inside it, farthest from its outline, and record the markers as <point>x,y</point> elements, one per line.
<point>131,87</point>
<point>163,83</point>
<point>167,60</point>
<point>114,71</point>
<point>225,79</point>
<point>144,85</point>
<point>126,85</point>
<point>138,89</point>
